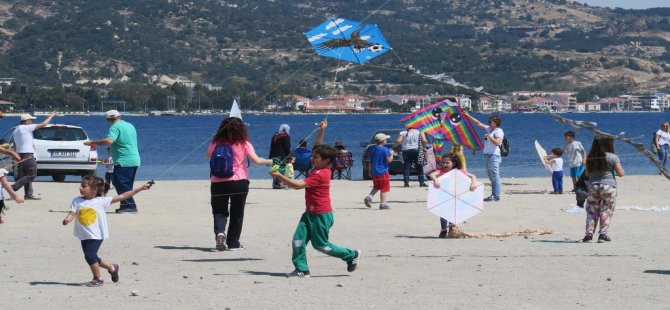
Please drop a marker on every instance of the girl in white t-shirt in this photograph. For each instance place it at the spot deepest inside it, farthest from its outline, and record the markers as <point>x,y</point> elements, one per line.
<point>91,222</point>
<point>556,162</point>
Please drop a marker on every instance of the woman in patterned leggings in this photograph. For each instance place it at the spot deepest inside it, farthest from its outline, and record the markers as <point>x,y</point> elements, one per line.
<point>602,167</point>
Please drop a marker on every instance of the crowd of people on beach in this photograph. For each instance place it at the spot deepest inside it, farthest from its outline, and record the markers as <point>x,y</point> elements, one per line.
<point>593,174</point>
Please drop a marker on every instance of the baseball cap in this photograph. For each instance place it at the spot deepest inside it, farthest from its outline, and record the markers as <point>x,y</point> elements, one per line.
<point>381,137</point>
<point>112,114</point>
<point>26,116</point>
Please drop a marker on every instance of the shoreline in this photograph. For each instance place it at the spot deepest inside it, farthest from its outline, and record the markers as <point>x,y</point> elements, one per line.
<point>263,113</point>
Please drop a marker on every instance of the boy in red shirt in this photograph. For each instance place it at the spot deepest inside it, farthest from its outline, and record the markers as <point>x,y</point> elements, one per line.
<point>315,223</point>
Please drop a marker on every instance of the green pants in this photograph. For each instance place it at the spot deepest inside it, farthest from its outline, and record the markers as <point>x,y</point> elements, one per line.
<point>315,227</point>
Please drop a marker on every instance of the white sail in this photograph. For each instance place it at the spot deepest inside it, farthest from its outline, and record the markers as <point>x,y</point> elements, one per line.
<point>235,110</point>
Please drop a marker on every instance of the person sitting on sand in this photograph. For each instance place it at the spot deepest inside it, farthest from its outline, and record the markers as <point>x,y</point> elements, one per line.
<point>315,223</point>
<point>450,161</point>
<point>89,211</point>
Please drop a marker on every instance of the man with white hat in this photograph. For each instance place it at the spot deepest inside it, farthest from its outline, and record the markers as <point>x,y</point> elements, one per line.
<point>122,139</point>
<point>25,146</point>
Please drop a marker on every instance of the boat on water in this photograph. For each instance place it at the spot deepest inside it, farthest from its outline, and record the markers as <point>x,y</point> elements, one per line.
<point>168,113</point>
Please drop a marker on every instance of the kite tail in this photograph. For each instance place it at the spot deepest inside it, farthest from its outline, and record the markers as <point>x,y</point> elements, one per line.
<point>457,233</point>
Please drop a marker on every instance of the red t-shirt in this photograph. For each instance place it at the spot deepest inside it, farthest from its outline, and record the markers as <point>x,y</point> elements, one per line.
<point>317,193</point>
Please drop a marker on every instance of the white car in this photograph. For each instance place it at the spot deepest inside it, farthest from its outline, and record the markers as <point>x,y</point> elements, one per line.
<point>59,151</point>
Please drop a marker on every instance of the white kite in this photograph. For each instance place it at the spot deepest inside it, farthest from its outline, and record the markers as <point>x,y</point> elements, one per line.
<point>453,200</point>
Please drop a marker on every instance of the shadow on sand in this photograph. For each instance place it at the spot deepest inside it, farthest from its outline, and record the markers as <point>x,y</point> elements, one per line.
<point>416,237</point>
<point>55,283</point>
<point>172,247</point>
<point>213,260</point>
<point>666,272</point>
<point>283,274</point>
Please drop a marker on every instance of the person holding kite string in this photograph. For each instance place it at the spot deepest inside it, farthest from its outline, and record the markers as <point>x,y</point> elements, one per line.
<point>233,189</point>
<point>315,223</point>
<point>601,165</point>
<point>493,138</point>
<point>450,161</point>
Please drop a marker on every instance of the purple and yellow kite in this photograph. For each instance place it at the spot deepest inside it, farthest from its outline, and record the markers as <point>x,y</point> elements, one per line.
<point>445,120</point>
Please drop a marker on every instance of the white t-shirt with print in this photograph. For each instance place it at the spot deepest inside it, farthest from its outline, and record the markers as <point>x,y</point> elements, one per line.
<point>23,138</point>
<point>491,148</point>
<point>574,151</point>
<point>90,217</point>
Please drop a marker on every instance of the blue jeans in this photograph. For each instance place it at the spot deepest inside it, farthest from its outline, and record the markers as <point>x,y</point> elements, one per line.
<point>663,154</point>
<point>410,157</point>
<point>493,170</point>
<point>123,180</point>
<point>557,181</point>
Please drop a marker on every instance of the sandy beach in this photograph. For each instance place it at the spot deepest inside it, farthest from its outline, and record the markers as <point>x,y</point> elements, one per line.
<point>166,253</point>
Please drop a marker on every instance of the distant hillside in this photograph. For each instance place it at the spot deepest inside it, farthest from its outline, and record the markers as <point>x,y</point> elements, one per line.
<point>502,45</point>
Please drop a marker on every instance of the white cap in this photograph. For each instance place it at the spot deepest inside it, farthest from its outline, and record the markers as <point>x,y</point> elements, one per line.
<point>381,137</point>
<point>26,116</point>
<point>112,114</point>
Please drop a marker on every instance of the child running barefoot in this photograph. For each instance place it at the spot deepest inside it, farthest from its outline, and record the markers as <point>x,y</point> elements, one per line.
<point>317,220</point>
<point>91,223</point>
<point>8,187</point>
<point>450,161</point>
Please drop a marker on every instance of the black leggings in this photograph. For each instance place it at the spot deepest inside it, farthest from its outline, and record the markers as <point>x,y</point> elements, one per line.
<point>91,247</point>
<point>222,193</point>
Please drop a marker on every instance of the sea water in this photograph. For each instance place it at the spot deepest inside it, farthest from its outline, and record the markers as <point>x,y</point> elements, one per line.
<point>173,147</point>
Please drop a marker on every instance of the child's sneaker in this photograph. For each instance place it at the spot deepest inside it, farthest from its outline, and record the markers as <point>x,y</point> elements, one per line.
<point>368,201</point>
<point>443,234</point>
<point>587,238</point>
<point>384,206</point>
<point>115,273</point>
<point>603,238</point>
<point>298,274</point>
<point>351,265</point>
<point>221,242</point>
<point>95,282</point>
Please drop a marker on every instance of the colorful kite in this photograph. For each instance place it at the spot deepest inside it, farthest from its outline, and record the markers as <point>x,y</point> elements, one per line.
<point>348,40</point>
<point>458,129</point>
<point>445,120</point>
<point>427,120</point>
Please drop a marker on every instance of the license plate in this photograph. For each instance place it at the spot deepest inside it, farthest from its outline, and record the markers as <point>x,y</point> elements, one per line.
<point>63,154</point>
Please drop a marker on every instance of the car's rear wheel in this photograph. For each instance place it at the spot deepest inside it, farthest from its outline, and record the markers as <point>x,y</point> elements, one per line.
<point>58,177</point>
<point>366,174</point>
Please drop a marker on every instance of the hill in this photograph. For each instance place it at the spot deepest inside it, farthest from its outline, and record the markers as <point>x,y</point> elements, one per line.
<point>502,45</point>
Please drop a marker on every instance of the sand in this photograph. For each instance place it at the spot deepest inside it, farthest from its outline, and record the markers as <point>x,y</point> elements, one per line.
<point>166,253</point>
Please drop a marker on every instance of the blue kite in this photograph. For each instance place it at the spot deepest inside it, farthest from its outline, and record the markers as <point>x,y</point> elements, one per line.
<point>348,40</point>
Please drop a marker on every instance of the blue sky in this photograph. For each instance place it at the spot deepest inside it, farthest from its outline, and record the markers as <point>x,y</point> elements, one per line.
<point>628,4</point>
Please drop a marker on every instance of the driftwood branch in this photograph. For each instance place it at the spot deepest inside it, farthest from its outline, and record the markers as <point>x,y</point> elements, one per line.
<point>599,133</point>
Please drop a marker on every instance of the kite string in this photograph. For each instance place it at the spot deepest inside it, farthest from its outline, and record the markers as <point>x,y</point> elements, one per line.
<point>250,106</point>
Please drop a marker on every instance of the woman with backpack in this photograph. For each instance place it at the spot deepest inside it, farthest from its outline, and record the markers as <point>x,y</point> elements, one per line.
<point>661,141</point>
<point>493,139</point>
<point>230,180</point>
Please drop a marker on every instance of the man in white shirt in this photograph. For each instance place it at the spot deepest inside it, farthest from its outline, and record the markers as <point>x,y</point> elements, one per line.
<point>26,171</point>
